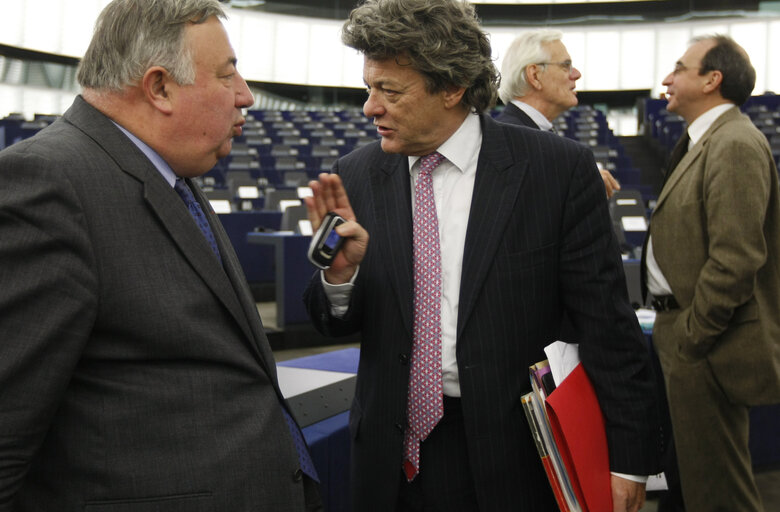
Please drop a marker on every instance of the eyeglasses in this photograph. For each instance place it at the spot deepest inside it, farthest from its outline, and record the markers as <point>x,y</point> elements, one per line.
<point>680,67</point>
<point>565,65</point>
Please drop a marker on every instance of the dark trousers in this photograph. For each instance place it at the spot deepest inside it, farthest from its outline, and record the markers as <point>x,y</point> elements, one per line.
<point>444,483</point>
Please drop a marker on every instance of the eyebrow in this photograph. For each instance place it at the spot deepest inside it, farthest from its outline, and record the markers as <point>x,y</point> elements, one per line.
<point>230,61</point>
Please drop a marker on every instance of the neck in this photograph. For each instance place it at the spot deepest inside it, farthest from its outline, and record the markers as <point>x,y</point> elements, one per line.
<point>703,107</point>
<point>127,109</point>
<point>547,110</point>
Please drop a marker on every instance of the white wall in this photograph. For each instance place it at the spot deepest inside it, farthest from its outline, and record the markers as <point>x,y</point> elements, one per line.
<point>277,48</point>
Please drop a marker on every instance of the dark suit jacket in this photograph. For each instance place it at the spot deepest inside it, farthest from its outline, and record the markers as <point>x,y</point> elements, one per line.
<point>513,114</point>
<point>134,371</point>
<point>539,242</point>
<point>716,238</point>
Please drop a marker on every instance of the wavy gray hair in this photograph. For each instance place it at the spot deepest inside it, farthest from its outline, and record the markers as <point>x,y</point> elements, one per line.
<point>525,50</point>
<point>441,38</point>
<point>133,35</point>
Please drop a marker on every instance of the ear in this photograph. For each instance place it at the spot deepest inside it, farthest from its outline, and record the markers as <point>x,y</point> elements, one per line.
<point>532,76</point>
<point>157,86</point>
<point>453,95</point>
<point>713,81</point>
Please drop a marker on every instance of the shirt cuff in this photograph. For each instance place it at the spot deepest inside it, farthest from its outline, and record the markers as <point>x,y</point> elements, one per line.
<point>338,294</point>
<point>634,478</point>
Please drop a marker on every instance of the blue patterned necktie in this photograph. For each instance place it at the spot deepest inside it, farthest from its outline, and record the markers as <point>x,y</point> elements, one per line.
<point>197,213</point>
<point>304,458</point>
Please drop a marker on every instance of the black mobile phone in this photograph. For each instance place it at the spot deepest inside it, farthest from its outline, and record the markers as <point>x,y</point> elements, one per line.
<point>325,243</point>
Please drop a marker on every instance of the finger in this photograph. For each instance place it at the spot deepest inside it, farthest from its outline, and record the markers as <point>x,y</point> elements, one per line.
<point>315,206</point>
<point>320,191</point>
<point>311,212</point>
<point>331,191</point>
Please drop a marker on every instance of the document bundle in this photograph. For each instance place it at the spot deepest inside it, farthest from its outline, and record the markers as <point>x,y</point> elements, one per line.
<point>568,428</point>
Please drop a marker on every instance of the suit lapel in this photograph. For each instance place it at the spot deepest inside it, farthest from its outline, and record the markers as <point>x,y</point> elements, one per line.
<point>391,189</point>
<point>250,322</point>
<point>693,154</point>
<point>163,202</point>
<point>520,114</point>
<point>496,187</point>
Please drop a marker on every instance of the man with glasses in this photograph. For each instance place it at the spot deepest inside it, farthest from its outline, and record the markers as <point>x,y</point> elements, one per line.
<point>711,265</point>
<point>537,85</point>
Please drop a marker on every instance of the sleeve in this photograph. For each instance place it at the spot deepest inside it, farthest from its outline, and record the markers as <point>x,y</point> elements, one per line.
<point>612,346</point>
<point>48,301</point>
<point>737,186</point>
<point>334,315</point>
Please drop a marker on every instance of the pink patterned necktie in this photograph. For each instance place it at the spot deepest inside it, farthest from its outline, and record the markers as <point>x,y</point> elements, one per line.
<point>424,402</point>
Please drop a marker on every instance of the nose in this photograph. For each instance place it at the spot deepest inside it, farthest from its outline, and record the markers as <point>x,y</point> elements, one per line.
<point>373,107</point>
<point>668,80</point>
<point>575,74</point>
<point>244,98</point>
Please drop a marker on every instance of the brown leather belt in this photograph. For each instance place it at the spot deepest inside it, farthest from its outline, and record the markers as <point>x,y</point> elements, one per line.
<point>664,303</point>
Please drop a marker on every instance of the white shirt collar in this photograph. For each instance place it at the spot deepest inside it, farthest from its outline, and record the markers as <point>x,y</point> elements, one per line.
<point>462,145</point>
<point>701,124</point>
<point>537,117</point>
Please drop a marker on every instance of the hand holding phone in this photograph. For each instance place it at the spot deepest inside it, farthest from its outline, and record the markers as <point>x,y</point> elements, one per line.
<point>325,243</point>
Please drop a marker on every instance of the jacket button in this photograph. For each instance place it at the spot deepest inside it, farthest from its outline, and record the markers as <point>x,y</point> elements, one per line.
<point>403,358</point>
<point>298,475</point>
<point>399,427</point>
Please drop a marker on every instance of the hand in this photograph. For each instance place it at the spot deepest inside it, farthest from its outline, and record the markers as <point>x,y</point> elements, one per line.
<point>627,495</point>
<point>329,196</point>
<point>610,183</point>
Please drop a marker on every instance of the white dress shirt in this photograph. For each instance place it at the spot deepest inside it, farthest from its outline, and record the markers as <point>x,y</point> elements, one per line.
<point>656,282</point>
<point>537,117</point>
<point>453,186</point>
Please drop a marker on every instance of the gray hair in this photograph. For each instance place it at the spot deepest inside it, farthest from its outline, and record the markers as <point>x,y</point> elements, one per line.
<point>133,35</point>
<point>525,50</point>
<point>442,39</point>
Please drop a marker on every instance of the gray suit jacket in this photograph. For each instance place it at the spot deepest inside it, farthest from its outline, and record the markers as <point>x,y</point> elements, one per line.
<point>716,238</point>
<point>135,374</point>
<point>539,242</point>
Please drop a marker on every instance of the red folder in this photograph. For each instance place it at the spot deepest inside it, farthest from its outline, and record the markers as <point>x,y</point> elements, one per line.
<point>578,428</point>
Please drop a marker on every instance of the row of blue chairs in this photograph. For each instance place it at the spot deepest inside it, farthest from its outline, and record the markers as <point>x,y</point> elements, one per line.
<point>666,127</point>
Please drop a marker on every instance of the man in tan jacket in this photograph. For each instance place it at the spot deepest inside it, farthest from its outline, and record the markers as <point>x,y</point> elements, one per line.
<point>712,267</point>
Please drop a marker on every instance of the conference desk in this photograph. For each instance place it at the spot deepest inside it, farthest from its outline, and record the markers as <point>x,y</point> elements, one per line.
<point>329,440</point>
<point>292,272</point>
<point>256,261</point>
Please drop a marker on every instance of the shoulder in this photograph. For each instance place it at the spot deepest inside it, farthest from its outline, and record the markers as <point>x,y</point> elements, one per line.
<point>537,144</point>
<point>367,158</point>
<point>737,131</point>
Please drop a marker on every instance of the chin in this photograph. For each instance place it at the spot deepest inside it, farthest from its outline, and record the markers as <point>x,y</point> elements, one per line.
<point>389,147</point>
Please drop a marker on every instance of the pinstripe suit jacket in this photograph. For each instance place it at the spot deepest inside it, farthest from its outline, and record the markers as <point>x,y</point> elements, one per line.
<point>134,371</point>
<point>539,241</point>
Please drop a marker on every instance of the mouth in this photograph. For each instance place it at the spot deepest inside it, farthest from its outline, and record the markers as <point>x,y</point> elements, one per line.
<point>383,130</point>
<point>237,128</point>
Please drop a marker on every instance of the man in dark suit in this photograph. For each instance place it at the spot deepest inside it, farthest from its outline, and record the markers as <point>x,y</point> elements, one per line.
<point>537,85</point>
<point>510,229</point>
<point>134,370</point>
<point>711,266</point>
